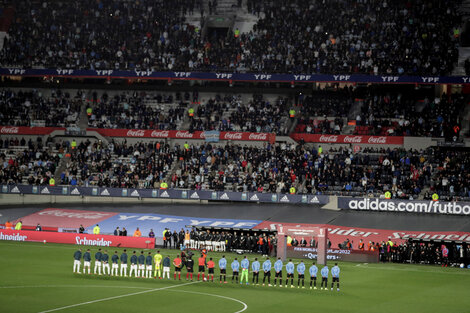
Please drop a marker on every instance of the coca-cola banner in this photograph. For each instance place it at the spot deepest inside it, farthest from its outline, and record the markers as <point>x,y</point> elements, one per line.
<point>24,130</point>
<point>182,134</point>
<point>77,239</point>
<point>349,139</point>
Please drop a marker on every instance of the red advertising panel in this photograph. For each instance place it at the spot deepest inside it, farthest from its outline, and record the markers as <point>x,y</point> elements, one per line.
<point>338,234</point>
<point>60,218</point>
<point>349,139</point>
<point>77,239</point>
<point>24,130</point>
<point>181,134</point>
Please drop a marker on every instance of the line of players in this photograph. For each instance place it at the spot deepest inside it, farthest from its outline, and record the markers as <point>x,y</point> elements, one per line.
<point>219,241</point>
<point>141,266</point>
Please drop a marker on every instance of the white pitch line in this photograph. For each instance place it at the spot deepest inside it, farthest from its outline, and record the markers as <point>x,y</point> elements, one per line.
<point>73,286</point>
<point>117,297</point>
<point>464,272</point>
<point>245,306</point>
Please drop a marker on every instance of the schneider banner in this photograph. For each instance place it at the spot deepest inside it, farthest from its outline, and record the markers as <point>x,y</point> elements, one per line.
<point>404,206</point>
<point>77,239</point>
<point>254,77</point>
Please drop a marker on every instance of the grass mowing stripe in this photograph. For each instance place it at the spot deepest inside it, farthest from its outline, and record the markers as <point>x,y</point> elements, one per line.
<point>245,306</point>
<point>73,286</point>
<point>117,297</point>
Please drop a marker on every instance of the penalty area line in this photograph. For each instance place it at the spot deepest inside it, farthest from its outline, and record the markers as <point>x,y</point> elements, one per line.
<point>117,297</point>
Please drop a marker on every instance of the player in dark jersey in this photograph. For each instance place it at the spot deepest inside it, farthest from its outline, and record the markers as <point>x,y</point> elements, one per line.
<point>115,264</point>
<point>105,263</point>
<point>189,268</point>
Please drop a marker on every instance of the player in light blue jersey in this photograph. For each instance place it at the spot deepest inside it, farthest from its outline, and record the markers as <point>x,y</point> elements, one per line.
<point>324,277</point>
<point>255,266</point>
<point>223,269</point>
<point>290,267</point>
<point>267,271</point>
<point>335,274</point>
<point>235,268</point>
<point>278,268</point>
<point>313,270</point>
<point>301,274</point>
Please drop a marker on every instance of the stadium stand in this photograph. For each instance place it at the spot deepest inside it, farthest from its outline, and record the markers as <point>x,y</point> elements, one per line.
<point>397,37</point>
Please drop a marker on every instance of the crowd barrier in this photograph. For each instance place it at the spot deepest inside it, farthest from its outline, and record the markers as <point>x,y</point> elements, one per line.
<point>77,239</point>
<point>344,203</point>
<point>165,194</point>
<point>250,77</point>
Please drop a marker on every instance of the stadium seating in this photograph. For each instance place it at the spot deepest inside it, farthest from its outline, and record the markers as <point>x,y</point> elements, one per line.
<point>396,38</point>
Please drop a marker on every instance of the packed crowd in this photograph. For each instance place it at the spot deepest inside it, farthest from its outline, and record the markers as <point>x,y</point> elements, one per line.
<point>32,108</point>
<point>396,113</point>
<point>132,112</point>
<point>393,37</point>
<point>272,168</point>
<point>30,162</point>
<point>277,168</point>
<point>231,113</point>
<point>140,165</point>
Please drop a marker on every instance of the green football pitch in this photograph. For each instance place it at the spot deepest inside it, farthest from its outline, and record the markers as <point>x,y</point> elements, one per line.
<point>38,277</point>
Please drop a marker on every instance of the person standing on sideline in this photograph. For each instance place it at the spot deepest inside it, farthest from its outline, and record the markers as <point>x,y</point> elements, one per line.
<point>166,267</point>
<point>301,274</point>
<point>19,225</point>
<point>148,265</point>
<point>189,268</point>
<point>177,263</point>
<point>96,230</point>
<point>235,268</point>
<point>202,267</point>
<point>223,269</point>
<point>210,268</point>
<point>267,271</point>
<point>87,261</point>
<point>81,230</point>
<point>255,266</point>
<point>117,232</point>
<point>124,263</point>
<point>313,270</point>
<point>245,265</point>
<point>335,274</point>
<point>104,261</point>
<point>115,265</point>
<point>290,273</point>
<point>97,262</point>
<point>133,265</point>
<point>157,258</point>
<point>141,269</point>
<point>278,269</point>
<point>324,277</point>
<point>77,256</point>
